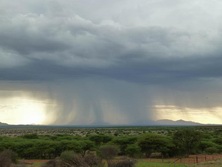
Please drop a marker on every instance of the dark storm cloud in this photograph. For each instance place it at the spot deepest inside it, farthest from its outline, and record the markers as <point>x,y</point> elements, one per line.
<point>55,44</point>
<point>104,58</point>
<point>70,47</point>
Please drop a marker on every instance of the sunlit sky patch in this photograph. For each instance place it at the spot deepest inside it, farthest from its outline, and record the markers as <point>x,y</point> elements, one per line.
<point>18,110</point>
<point>201,115</point>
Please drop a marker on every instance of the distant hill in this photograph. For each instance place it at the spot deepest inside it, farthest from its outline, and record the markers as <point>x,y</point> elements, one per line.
<point>176,123</point>
<point>161,122</point>
<point>3,124</point>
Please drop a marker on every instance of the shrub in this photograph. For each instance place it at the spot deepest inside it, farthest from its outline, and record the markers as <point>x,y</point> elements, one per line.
<point>69,158</point>
<point>7,157</point>
<point>108,151</point>
<point>92,160</point>
<point>53,163</point>
<point>123,163</point>
<point>211,150</point>
<point>133,150</point>
<point>30,136</point>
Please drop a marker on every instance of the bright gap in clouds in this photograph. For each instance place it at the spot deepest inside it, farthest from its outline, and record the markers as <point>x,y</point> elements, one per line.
<point>201,115</point>
<point>21,110</point>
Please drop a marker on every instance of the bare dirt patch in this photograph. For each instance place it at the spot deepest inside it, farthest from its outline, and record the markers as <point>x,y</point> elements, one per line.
<point>32,161</point>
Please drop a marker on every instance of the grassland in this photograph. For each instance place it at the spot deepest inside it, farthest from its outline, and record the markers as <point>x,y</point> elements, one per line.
<point>158,164</point>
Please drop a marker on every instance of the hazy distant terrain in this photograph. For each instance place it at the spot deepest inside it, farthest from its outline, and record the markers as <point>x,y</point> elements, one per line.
<point>178,122</point>
<point>3,124</point>
<point>161,122</point>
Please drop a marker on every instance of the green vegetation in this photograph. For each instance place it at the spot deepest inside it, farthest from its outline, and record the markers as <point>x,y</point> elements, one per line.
<point>107,143</point>
<point>151,143</point>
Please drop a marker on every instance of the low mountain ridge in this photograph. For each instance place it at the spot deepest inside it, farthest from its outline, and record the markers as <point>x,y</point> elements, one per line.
<point>161,122</point>
<point>3,124</point>
<point>177,123</point>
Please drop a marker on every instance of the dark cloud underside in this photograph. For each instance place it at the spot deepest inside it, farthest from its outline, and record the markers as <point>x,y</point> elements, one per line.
<point>97,58</point>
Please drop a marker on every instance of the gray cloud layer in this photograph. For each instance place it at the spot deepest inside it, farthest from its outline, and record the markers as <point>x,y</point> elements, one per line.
<point>147,44</point>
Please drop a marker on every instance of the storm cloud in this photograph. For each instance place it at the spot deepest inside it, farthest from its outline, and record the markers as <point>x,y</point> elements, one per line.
<point>112,62</point>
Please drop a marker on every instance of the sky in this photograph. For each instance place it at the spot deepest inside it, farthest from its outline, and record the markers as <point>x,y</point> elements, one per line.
<point>117,62</point>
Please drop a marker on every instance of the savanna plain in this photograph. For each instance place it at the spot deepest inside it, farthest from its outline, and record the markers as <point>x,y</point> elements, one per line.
<point>154,146</point>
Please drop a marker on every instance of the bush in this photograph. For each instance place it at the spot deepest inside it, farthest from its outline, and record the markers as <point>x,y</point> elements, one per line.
<point>92,160</point>
<point>218,140</point>
<point>123,163</point>
<point>30,136</point>
<point>206,144</point>
<point>133,150</point>
<point>69,158</point>
<point>67,155</point>
<point>51,163</point>
<point>211,150</point>
<point>7,157</point>
<point>109,151</point>
<point>100,139</point>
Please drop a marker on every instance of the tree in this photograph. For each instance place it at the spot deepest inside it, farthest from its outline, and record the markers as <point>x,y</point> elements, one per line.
<point>108,152</point>
<point>30,136</point>
<point>151,143</point>
<point>205,144</point>
<point>100,139</point>
<point>86,145</point>
<point>123,142</point>
<point>187,141</point>
<point>133,150</point>
<point>218,140</point>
